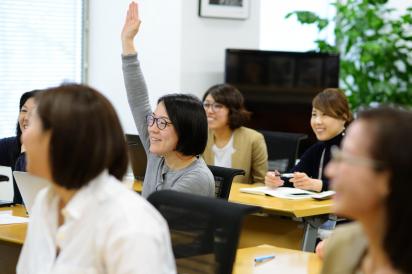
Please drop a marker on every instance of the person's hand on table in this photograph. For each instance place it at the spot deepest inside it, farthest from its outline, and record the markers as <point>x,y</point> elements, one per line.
<point>272,179</point>
<point>303,181</point>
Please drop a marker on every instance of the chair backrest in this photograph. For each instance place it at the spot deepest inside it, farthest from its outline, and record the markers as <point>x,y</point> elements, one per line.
<point>223,179</point>
<point>204,230</point>
<point>282,149</point>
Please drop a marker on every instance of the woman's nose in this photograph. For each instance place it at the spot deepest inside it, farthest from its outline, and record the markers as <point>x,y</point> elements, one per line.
<point>152,128</point>
<point>318,120</point>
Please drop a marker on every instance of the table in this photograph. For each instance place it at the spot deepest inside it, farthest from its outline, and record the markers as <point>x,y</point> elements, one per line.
<point>12,237</point>
<point>312,212</point>
<point>11,240</point>
<point>14,233</point>
<point>244,263</point>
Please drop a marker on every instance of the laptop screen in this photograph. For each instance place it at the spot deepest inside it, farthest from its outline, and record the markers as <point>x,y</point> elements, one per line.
<point>137,155</point>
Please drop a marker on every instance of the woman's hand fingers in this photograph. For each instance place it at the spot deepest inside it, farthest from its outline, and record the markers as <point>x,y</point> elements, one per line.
<point>132,22</point>
<point>272,180</point>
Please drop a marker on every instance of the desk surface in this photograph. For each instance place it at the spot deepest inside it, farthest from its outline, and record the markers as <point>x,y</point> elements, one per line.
<point>297,208</point>
<point>14,233</point>
<point>287,259</point>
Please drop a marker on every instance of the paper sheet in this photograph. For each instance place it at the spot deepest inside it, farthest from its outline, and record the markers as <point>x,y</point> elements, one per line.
<point>280,192</point>
<point>6,219</point>
<point>285,263</point>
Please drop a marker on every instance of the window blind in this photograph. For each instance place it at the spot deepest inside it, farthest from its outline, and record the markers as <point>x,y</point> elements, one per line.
<point>41,45</point>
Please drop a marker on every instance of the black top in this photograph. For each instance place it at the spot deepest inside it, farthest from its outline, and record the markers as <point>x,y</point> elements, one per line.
<point>10,156</point>
<point>310,160</point>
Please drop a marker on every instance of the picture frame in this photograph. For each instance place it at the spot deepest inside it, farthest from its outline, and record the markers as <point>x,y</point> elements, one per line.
<point>226,9</point>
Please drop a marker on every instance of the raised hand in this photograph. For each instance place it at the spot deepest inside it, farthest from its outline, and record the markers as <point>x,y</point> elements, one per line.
<point>130,28</point>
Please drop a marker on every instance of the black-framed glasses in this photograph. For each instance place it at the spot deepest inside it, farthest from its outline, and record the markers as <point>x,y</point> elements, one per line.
<point>161,122</point>
<point>214,106</point>
<point>339,156</point>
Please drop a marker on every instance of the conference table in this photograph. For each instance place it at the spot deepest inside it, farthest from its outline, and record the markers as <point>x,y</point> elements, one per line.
<point>311,212</point>
<point>12,237</point>
<point>285,261</point>
<point>11,240</point>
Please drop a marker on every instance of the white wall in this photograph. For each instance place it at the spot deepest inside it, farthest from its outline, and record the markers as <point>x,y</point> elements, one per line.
<point>179,51</point>
<point>158,44</point>
<point>204,41</point>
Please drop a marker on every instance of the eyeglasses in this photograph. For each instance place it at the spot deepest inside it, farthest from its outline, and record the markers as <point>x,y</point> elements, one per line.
<point>339,156</point>
<point>214,106</point>
<point>161,122</point>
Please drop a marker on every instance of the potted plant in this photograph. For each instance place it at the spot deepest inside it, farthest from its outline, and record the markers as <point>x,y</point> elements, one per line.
<point>375,49</point>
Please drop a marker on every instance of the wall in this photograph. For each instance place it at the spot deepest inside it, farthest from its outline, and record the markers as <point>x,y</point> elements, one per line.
<point>158,44</point>
<point>179,51</point>
<point>204,41</point>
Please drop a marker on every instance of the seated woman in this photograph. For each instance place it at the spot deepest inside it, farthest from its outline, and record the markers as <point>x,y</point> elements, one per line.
<point>174,135</point>
<point>11,150</point>
<point>86,221</point>
<point>230,144</point>
<point>330,116</point>
<point>371,177</point>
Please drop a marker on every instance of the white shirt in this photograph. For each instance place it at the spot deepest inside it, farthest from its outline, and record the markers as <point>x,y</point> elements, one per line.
<point>223,156</point>
<point>107,229</point>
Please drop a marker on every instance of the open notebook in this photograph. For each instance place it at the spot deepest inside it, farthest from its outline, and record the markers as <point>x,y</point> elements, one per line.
<point>288,193</point>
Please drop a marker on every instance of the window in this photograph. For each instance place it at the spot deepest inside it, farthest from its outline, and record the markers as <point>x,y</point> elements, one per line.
<point>41,46</point>
<point>278,33</point>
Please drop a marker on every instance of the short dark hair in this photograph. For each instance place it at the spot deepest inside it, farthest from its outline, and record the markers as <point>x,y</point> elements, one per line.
<point>23,99</point>
<point>86,135</point>
<point>189,120</point>
<point>230,97</point>
<point>390,132</point>
<point>333,102</point>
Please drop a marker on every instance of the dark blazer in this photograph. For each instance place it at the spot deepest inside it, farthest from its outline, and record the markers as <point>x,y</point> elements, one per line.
<point>310,160</point>
<point>10,156</point>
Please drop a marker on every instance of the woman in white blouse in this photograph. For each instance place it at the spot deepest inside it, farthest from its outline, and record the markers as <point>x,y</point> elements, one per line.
<point>86,221</point>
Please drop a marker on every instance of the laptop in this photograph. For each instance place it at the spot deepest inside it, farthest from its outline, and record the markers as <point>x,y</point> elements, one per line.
<point>29,186</point>
<point>137,155</point>
<point>6,187</point>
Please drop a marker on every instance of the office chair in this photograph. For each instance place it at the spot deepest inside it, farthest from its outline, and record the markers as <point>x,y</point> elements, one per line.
<point>223,179</point>
<point>282,149</point>
<point>204,230</point>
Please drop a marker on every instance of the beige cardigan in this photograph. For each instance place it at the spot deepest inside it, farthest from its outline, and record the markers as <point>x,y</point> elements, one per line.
<point>344,250</point>
<point>250,154</point>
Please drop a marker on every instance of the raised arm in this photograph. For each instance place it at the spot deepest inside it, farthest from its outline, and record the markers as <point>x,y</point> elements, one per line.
<point>136,88</point>
<point>130,29</point>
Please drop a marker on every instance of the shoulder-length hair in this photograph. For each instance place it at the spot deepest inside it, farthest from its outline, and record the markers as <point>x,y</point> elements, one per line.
<point>333,102</point>
<point>86,135</point>
<point>189,120</point>
<point>230,97</point>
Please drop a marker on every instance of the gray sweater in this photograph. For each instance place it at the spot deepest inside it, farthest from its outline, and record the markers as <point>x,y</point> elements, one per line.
<point>196,178</point>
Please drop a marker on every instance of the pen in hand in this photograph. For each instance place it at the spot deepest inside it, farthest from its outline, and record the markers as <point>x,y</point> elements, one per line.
<point>264,258</point>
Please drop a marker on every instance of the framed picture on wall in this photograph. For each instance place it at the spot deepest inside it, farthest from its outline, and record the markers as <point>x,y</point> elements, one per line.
<point>228,9</point>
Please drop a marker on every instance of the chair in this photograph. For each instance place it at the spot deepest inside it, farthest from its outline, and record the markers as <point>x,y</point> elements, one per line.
<point>282,149</point>
<point>204,230</point>
<point>223,179</point>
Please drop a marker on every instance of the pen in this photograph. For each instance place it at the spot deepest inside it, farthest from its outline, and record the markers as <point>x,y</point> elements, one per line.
<point>264,258</point>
